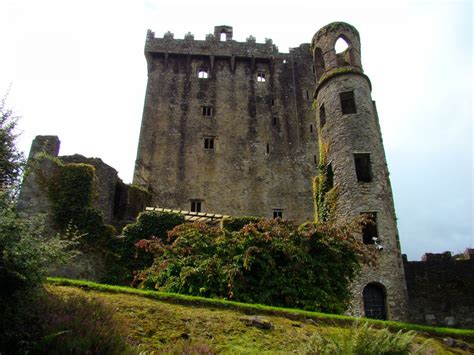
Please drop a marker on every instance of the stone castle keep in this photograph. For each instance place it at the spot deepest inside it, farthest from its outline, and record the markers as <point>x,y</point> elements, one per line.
<point>235,128</point>
<point>232,128</point>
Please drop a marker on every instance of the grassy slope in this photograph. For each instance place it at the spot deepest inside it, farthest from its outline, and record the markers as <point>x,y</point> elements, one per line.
<point>161,321</point>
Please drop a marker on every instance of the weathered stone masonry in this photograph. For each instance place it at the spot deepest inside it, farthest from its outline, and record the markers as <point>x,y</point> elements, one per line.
<point>228,127</point>
<point>441,289</point>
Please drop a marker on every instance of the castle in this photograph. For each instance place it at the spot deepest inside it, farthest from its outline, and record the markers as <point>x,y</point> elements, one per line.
<point>238,129</point>
<point>234,128</point>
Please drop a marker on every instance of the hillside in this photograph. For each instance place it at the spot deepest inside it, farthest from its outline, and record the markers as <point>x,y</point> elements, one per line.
<point>166,322</point>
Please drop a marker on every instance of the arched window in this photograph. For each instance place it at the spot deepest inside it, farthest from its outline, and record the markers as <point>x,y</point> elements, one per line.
<point>341,45</point>
<point>223,37</point>
<point>374,301</point>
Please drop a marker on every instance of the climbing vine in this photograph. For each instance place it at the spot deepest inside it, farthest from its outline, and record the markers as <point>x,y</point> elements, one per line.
<point>325,193</point>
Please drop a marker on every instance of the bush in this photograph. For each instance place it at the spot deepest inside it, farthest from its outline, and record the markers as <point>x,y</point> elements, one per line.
<point>234,224</point>
<point>25,255</point>
<point>362,339</point>
<point>130,259</point>
<point>272,262</point>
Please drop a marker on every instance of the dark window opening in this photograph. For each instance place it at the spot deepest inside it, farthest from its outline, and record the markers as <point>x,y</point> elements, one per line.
<point>369,229</point>
<point>330,176</point>
<point>195,206</point>
<point>311,128</point>
<point>307,95</point>
<point>347,102</point>
<point>315,159</point>
<point>203,73</point>
<point>374,301</point>
<point>277,213</point>
<point>275,121</point>
<point>273,102</point>
<point>322,116</point>
<point>261,77</point>
<point>207,111</point>
<point>268,148</point>
<point>209,143</point>
<point>313,69</point>
<point>362,165</point>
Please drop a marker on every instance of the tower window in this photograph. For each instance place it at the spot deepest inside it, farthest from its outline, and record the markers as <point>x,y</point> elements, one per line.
<point>311,128</point>
<point>203,73</point>
<point>268,148</point>
<point>277,213</point>
<point>275,120</point>
<point>322,116</point>
<point>273,102</point>
<point>369,230</point>
<point>362,165</point>
<point>307,95</point>
<point>195,206</point>
<point>206,111</point>
<point>209,143</point>
<point>223,36</point>
<point>261,77</point>
<point>347,102</point>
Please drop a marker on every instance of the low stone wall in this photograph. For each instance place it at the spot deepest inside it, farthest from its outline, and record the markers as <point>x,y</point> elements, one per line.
<point>441,289</point>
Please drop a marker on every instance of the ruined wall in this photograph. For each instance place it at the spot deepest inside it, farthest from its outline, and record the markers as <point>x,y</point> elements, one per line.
<point>119,203</point>
<point>441,289</point>
<point>264,147</point>
<point>347,121</point>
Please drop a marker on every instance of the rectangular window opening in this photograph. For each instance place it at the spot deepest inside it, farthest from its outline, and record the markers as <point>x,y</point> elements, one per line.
<point>273,102</point>
<point>268,148</point>
<point>261,77</point>
<point>207,111</point>
<point>311,128</point>
<point>362,165</point>
<point>347,102</point>
<point>277,213</point>
<point>307,95</point>
<point>315,159</point>
<point>275,120</point>
<point>209,143</point>
<point>203,73</point>
<point>322,116</point>
<point>195,206</point>
<point>369,229</point>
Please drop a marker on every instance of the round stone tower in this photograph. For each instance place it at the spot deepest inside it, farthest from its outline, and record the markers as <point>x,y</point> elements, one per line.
<point>347,121</point>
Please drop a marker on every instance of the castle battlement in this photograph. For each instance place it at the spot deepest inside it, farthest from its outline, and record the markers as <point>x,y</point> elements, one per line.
<point>214,45</point>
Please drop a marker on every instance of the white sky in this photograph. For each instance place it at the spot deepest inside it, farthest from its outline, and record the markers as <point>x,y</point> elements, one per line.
<point>78,71</point>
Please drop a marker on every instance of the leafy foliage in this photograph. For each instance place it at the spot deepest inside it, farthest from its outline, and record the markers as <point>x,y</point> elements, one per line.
<point>363,339</point>
<point>25,255</point>
<point>271,262</point>
<point>324,193</point>
<point>130,259</point>
<point>234,224</point>
<point>11,159</point>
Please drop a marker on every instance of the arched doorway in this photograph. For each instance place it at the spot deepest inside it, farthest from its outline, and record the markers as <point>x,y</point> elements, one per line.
<point>374,301</point>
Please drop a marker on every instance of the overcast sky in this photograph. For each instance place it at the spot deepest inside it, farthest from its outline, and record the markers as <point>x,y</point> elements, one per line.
<point>77,70</point>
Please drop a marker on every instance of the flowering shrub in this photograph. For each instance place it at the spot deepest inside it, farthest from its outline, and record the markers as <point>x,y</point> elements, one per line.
<point>272,262</point>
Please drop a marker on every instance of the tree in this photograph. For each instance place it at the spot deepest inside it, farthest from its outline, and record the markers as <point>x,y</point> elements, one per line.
<point>12,161</point>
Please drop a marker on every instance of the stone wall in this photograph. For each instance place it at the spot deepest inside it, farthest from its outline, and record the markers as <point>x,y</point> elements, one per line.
<point>119,203</point>
<point>264,149</point>
<point>441,289</point>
